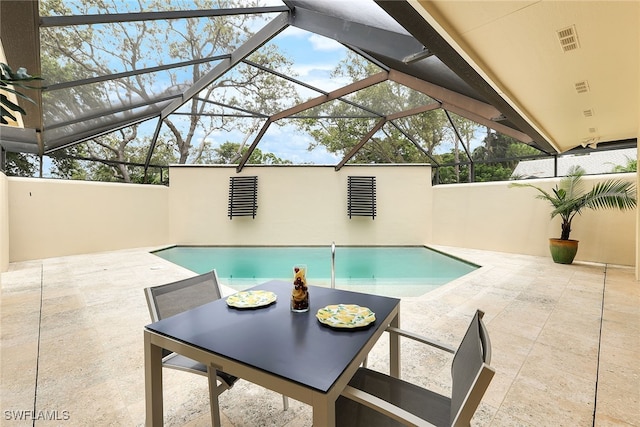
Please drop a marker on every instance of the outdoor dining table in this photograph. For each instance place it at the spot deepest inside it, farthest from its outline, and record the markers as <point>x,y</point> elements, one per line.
<point>290,353</point>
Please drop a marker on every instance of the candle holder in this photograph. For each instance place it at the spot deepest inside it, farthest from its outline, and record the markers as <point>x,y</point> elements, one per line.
<point>300,292</point>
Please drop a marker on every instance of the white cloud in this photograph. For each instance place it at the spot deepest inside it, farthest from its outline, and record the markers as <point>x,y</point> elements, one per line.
<point>329,84</point>
<point>318,75</point>
<point>286,142</point>
<point>292,31</point>
<point>307,69</point>
<point>271,3</point>
<point>324,44</point>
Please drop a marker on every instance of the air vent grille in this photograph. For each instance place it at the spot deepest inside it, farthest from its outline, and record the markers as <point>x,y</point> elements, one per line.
<point>582,87</point>
<point>568,39</point>
<point>588,113</point>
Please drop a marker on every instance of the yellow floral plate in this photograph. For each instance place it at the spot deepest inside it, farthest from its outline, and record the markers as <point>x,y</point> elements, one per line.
<point>251,299</point>
<point>345,316</point>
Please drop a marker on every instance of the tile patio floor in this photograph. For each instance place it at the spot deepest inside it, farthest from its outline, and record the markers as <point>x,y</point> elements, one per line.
<point>566,341</point>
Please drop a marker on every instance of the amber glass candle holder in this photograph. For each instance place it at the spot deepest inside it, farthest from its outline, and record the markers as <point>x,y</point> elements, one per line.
<point>300,292</point>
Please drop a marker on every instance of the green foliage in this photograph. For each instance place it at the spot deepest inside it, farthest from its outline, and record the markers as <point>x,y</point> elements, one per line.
<point>21,164</point>
<point>231,152</point>
<point>397,144</point>
<point>73,53</point>
<point>495,149</point>
<point>8,82</point>
<point>66,167</point>
<point>451,172</point>
<point>631,166</point>
<point>347,125</point>
<point>488,158</point>
<point>486,172</point>
<point>569,199</point>
<point>520,150</point>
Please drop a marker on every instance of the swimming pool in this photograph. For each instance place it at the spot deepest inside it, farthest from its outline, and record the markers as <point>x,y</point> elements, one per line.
<point>384,270</point>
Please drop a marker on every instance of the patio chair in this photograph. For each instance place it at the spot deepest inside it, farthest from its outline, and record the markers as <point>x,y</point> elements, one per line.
<point>173,298</point>
<point>375,399</point>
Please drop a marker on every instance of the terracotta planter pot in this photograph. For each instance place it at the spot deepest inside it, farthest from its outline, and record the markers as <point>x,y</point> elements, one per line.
<point>563,251</point>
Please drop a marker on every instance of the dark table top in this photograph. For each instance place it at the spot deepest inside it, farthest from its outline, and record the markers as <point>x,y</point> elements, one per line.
<point>274,339</point>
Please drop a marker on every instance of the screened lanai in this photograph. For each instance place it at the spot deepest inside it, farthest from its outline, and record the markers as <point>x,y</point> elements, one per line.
<point>138,86</point>
<point>134,87</point>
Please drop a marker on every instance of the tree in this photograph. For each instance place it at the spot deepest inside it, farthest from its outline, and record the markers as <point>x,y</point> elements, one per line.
<point>451,172</point>
<point>67,166</point>
<point>348,124</point>
<point>21,164</point>
<point>231,152</point>
<point>631,166</point>
<point>464,133</point>
<point>78,52</point>
<point>498,156</point>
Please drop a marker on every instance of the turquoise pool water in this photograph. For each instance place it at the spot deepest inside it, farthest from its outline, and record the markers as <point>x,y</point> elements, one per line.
<point>388,270</point>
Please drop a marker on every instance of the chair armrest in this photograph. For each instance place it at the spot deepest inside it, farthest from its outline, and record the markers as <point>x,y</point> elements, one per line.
<point>384,407</point>
<point>422,339</point>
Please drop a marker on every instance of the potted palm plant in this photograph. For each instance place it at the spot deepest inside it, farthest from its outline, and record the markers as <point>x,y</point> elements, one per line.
<point>568,199</point>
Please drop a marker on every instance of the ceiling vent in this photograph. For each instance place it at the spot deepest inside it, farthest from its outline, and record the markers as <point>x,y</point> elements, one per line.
<point>582,87</point>
<point>568,39</point>
<point>588,113</point>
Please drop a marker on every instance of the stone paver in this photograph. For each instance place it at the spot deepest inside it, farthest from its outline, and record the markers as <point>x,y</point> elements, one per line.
<point>565,342</point>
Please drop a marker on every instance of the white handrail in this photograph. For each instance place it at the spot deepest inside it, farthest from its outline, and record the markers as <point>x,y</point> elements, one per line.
<point>333,265</point>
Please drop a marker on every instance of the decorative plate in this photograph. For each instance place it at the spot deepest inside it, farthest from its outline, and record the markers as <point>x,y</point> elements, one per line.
<point>251,299</point>
<point>345,316</point>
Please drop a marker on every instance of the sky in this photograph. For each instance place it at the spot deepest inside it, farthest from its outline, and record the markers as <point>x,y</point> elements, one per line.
<point>314,57</point>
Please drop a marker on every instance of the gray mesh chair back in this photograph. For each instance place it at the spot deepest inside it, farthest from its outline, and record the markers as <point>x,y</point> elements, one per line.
<point>364,402</point>
<point>173,298</point>
<point>469,372</point>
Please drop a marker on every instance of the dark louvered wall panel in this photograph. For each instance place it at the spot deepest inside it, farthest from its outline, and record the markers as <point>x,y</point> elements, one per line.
<point>243,196</point>
<point>362,196</point>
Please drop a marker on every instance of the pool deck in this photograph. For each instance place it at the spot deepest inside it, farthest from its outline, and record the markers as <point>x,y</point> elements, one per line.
<point>565,342</point>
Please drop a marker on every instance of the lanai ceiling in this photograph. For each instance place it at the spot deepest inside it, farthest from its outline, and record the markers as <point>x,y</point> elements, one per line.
<point>569,68</point>
<point>500,63</point>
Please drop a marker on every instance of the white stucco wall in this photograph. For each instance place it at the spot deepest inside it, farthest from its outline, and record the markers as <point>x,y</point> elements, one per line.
<point>50,217</point>
<point>4,223</point>
<point>300,205</point>
<point>493,216</point>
